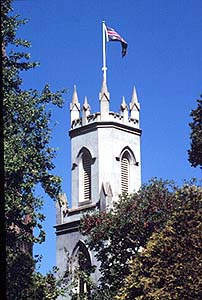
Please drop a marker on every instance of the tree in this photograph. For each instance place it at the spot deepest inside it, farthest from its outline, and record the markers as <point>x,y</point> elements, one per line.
<point>147,241</point>
<point>28,161</point>
<point>195,153</point>
<point>119,235</point>
<point>170,265</point>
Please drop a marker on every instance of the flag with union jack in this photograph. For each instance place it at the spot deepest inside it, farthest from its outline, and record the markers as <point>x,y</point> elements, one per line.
<point>114,36</point>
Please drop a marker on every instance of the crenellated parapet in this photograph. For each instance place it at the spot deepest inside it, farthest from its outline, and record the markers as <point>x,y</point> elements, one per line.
<point>128,115</point>
<point>112,117</point>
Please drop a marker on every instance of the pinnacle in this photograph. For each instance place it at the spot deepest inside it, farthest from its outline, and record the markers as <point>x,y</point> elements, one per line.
<point>134,104</point>
<point>85,101</point>
<point>123,100</point>
<point>104,94</point>
<point>123,104</point>
<point>134,96</point>
<point>75,96</point>
<point>104,87</point>
<point>86,106</point>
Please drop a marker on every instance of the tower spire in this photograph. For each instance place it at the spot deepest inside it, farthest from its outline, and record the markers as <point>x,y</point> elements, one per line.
<point>86,111</point>
<point>134,99</point>
<point>104,101</point>
<point>75,96</point>
<point>123,104</point>
<point>134,106</point>
<point>124,110</point>
<point>104,94</point>
<point>86,106</point>
<point>74,106</point>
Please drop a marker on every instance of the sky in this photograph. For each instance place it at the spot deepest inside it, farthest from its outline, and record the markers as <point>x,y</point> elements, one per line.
<point>164,63</point>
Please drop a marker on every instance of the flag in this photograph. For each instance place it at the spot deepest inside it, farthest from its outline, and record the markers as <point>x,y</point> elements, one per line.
<point>114,36</point>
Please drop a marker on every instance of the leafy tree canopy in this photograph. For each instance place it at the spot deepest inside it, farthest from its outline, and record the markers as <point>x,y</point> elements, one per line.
<point>28,160</point>
<point>170,265</point>
<point>195,153</point>
<point>120,235</point>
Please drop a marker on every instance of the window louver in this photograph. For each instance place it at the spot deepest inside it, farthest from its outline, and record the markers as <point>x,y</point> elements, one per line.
<point>87,176</point>
<point>124,175</point>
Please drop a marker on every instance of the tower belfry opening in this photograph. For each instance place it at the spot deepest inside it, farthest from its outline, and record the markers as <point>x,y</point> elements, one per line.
<point>105,162</point>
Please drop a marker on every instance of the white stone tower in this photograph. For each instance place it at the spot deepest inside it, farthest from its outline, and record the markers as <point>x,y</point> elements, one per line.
<point>105,156</point>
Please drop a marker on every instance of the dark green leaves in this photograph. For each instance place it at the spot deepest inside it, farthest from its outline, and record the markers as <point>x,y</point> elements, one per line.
<point>169,266</point>
<point>195,153</point>
<point>28,161</point>
<point>140,240</point>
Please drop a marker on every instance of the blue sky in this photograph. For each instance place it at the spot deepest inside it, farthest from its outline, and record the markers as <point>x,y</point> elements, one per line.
<point>164,62</point>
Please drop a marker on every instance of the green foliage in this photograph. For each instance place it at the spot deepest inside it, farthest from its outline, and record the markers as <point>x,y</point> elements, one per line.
<point>24,283</point>
<point>195,153</point>
<point>119,235</point>
<point>46,287</point>
<point>81,279</point>
<point>18,264</point>
<point>170,265</point>
<point>28,161</point>
<point>146,236</point>
<point>78,281</point>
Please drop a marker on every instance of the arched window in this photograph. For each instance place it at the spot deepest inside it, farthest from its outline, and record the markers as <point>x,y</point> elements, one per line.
<point>85,162</point>
<point>127,164</point>
<point>82,270</point>
<point>125,173</point>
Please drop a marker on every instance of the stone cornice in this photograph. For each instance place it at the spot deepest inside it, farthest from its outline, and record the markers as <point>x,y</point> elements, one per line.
<point>77,212</point>
<point>103,124</point>
<point>67,227</point>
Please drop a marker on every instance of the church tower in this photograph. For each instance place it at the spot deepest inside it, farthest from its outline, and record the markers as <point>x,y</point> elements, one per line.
<point>105,162</point>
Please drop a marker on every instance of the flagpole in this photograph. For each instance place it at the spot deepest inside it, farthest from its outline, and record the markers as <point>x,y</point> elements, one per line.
<point>104,68</point>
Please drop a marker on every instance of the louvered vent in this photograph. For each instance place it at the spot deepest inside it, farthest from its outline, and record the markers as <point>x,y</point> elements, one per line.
<point>87,176</point>
<point>124,175</point>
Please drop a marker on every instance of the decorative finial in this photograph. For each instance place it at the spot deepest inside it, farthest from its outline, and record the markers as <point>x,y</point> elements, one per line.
<point>75,106</point>
<point>134,101</point>
<point>75,96</point>
<point>123,104</point>
<point>104,94</point>
<point>104,101</point>
<point>86,112</point>
<point>104,87</point>
<point>124,110</point>
<point>86,106</point>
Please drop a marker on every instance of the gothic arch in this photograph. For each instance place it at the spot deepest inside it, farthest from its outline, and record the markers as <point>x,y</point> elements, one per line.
<point>84,161</point>
<point>127,163</point>
<point>81,246</point>
<point>87,151</point>
<point>129,153</point>
<point>81,262</point>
